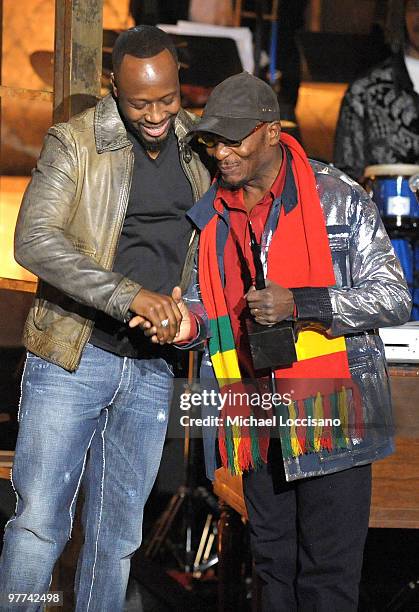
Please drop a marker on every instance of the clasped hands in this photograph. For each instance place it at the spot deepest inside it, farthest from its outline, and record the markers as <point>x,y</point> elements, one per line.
<point>166,319</point>
<point>163,318</point>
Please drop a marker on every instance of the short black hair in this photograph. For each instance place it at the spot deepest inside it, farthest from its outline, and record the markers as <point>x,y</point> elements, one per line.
<point>141,41</point>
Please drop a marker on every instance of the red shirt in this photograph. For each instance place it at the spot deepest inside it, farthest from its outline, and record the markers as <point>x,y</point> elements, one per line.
<point>238,260</point>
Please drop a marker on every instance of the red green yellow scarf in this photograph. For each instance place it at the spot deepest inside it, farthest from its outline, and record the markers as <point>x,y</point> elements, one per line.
<point>320,380</point>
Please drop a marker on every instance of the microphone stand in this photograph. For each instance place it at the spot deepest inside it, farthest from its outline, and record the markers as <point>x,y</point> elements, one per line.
<point>186,499</point>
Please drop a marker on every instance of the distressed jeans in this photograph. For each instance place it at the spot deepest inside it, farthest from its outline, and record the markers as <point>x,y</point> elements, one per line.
<point>109,416</point>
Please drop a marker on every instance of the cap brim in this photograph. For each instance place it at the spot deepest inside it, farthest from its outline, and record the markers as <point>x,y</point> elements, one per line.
<point>230,128</point>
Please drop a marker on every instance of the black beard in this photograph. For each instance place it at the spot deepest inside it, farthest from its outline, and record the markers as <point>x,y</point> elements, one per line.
<point>231,186</point>
<point>151,146</point>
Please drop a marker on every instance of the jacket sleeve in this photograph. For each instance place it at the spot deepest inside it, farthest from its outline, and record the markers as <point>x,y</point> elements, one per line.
<point>41,243</point>
<point>378,296</point>
<point>349,153</point>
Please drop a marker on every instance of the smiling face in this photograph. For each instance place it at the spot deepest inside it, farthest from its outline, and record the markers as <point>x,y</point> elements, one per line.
<point>252,161</point>
<point>148,94</point>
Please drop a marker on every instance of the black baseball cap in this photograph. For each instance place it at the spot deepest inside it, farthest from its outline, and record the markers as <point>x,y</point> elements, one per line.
<point>236,106</point>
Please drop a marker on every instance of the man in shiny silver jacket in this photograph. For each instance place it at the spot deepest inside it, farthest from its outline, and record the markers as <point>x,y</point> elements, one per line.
<point>308,514</point>
<point>103,225</point>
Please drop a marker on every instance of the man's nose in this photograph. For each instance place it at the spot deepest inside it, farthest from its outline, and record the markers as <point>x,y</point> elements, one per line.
<point>221,151</point>
<point>155,114</point>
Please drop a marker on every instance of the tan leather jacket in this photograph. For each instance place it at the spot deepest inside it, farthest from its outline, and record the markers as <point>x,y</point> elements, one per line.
<point>69,226</point>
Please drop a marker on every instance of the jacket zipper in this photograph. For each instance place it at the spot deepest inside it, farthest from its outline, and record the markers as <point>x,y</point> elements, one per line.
<point>88,327</point>
<point>122,209</point>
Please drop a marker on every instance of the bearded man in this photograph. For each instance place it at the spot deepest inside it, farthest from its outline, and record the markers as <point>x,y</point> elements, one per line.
<point>103,225</point>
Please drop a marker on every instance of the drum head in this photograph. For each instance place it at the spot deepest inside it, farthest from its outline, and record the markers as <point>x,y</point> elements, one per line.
<point>391,170</point>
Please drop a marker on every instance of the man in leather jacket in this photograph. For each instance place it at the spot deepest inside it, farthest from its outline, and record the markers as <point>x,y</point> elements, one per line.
<point>330,267</point>
<point>103,226</point>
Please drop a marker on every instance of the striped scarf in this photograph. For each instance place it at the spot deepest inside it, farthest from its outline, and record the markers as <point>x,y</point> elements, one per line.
<point>318,386</point>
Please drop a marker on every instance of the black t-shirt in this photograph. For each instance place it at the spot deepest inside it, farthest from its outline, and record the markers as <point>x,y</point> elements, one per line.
<point>153,243</point>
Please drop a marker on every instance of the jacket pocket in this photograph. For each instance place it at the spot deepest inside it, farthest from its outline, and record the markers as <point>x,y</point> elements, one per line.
<point>39,310</point>
<point>374,387</point>
<point>339,247</point>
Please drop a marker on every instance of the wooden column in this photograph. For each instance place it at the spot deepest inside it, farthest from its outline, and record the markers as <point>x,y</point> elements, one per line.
<point>77,56</point>
<point>1,71</point>
<point>315,18</point>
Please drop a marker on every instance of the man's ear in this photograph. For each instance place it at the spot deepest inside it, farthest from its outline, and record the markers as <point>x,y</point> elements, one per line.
<point>113,85</point>
<point>274,132</point>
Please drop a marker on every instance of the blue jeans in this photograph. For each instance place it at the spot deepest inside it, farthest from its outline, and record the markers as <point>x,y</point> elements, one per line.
<point>109,416</point>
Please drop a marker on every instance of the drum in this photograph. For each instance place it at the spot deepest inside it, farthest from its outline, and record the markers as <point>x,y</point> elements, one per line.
<point>388,185</point>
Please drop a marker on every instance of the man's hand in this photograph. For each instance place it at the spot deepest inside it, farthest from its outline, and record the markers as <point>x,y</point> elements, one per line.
<point>270,305</point>
<point>151,330</point>
<point>185,324</point>
<point>156,312</point>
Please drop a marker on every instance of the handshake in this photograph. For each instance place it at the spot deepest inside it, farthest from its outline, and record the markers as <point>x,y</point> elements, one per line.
<point>164,319</point>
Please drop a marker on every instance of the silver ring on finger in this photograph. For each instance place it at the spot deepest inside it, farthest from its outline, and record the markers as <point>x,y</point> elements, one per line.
<point>164,323</point>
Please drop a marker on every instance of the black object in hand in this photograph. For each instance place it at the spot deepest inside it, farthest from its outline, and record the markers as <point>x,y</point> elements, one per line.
<point>256,252</point>
<point>271,346</point>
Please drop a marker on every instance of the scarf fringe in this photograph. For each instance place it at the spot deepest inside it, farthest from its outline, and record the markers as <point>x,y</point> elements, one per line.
<point>243,453</point>
<point>321,436</point>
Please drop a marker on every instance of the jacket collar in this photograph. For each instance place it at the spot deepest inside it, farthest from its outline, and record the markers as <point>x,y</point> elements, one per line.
<point>110,131</point>
<point>203,211</point>
<point>401,76</point>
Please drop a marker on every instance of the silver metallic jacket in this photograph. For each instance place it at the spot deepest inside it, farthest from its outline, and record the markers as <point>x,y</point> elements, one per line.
<point>370,292</point>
